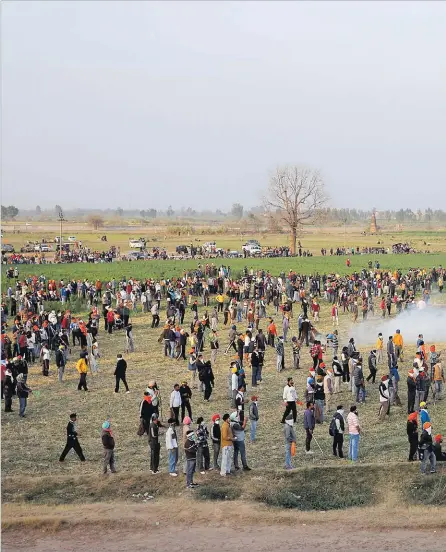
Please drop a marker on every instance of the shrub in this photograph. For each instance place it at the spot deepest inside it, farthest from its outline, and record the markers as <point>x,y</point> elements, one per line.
<point>430,490</point>
<point>211,492</point>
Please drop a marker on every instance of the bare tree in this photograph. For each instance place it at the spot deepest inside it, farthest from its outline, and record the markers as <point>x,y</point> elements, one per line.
<point>96,221</point>
<point>294,195</point>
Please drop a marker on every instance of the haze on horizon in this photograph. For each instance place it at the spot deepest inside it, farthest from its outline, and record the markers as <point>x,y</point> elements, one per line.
<point>146,104</point>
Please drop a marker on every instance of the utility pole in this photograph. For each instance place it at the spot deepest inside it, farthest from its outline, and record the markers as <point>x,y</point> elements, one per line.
<point>61,220</point>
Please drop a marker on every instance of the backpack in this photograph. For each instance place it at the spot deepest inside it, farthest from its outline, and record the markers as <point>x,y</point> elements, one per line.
<point>332,430</point>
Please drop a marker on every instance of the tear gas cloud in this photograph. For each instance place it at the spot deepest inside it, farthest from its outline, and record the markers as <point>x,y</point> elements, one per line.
<point>431,322</point>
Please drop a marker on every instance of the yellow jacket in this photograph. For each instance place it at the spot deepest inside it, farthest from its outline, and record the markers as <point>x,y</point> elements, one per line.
<point>379,344</point>
<point>82,366</point>
<point>398,340</point>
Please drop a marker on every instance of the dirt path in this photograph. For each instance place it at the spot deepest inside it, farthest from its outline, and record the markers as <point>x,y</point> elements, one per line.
<point>222,539</point>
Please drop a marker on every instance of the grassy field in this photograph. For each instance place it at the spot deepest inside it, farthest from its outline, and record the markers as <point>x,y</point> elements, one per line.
<point>47,413</point>
<point>176,268</point>
<point>30,447</point>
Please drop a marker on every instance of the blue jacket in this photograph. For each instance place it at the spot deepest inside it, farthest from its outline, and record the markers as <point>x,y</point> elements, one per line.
<point>424,417</point>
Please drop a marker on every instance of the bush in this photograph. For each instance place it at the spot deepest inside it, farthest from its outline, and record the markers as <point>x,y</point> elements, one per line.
<point>428,490</point>
<point>318,494</point>
<point>208,492</point>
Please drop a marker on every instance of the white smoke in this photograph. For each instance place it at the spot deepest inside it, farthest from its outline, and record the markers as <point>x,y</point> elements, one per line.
<point>431,322</point>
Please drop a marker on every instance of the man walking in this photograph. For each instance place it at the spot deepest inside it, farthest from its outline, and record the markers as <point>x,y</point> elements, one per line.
<point>120,371</point>
<point>72,441</point>
<point>289,398</point>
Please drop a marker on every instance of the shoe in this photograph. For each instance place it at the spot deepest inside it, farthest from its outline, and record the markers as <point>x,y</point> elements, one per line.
<point>195,485</point>
<point>237,468</point>
<point>151,471</point>
<point>246,468</point>
<point>203,473</point>
<point>309,452</point>
<point>173,474</point>
<point>433,471</point>
<point>190,487</point>
<point>127,392</point>
<point>210,469</point>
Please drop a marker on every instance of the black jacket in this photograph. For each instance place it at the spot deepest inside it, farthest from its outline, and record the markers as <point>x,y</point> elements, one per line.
<point>71,431</point>
<point>186,393</point>
<point>121,367</point>
<point>108,440</point>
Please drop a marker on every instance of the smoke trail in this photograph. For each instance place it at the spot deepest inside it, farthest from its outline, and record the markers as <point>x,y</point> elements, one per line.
<point>431,322</point>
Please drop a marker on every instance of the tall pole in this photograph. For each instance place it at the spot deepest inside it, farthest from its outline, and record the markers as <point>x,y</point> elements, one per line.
<point>61,219</point>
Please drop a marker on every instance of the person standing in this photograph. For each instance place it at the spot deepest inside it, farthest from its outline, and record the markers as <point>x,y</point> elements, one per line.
<point>82,368</point>
<point>190,451</point>
<point>120,373</point>
<point>438,379</point>
<point>45,358</point>
<point>296,353</point>
<point>309,423</point>
<point>412,435</point>
<point>384,398</point>
<point>354,431</point>
<point>280,350</point>
<point>338,429</point>
<point>72,441</point>
<point>203,456</point>
<point>60,361</point>
<point>289,397</point>
<point>23,392</point>
<point>425,450</point>
<point>154,444</point>
<point>253,417</point>
<point>398,343</point>
<point>379,348</point>
<point>328,389</point>
<point>372,366</point>
<point>129,341</point>
<point>290,438</point>
<point>391,357</point>
<point>155,315</point>
<point>216,438</point>
<point>8,390</point>
<point>108,442</point>
<point>215,345</point>
<point>227,440</point>
<point>175,403</point>
<point>338,373</point>
<point>172,447</point>
<point>208,380</point>
<point>186,396</point>
<point>238,429</point>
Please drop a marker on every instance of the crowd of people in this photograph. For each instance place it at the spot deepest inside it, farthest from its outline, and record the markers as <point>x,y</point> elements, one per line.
<point>214,300</point>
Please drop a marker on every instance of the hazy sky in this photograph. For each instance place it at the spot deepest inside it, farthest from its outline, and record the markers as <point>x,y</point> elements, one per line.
<point>141,105</point>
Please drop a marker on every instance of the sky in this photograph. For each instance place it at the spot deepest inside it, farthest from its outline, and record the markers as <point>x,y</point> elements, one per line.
<point>150,104</point>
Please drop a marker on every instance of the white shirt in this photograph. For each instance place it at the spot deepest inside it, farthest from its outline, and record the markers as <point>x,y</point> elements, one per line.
<point>175,399</point>
<point>171,442</point>
<point>289,393</point>
<point>234,382</point>
<point>45,353</point>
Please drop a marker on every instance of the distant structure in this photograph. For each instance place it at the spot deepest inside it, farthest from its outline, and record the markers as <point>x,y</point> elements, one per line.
<point>373,225</point>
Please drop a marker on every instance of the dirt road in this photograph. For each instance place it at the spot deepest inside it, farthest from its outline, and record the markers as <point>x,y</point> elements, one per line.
<point>222,539</point>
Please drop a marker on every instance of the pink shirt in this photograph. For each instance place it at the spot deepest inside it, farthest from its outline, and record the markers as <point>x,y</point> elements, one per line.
<point>353,423</point>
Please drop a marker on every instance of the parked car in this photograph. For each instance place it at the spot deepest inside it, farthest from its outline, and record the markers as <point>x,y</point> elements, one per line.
<point>28,248</point>
<point>7,248</point>
<point>137,244</point>
<point>252,248</point>
<point>137,256</point>
<point>234,254</point>
<point>43,247</point>
<point>71,238</point>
